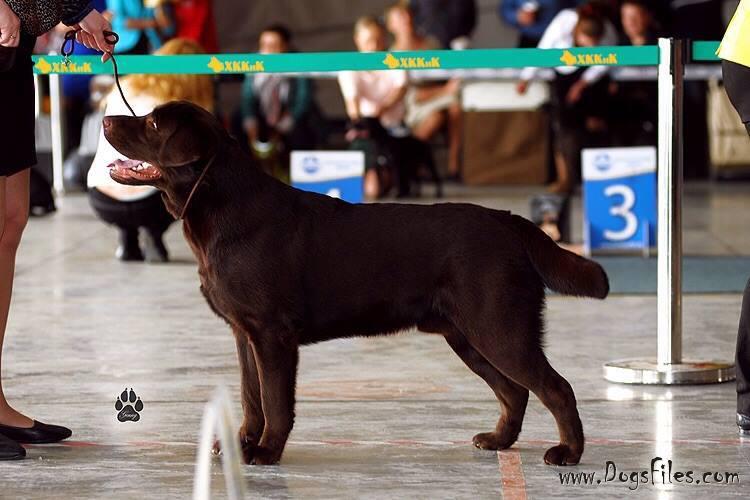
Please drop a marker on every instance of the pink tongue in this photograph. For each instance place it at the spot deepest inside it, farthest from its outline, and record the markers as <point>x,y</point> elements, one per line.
<point>125,164</point>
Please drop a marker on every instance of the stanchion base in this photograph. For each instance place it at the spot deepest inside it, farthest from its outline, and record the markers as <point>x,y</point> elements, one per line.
<point>648,372</point>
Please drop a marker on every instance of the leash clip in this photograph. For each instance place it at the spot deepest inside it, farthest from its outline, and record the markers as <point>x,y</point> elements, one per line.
<point>68,46</point>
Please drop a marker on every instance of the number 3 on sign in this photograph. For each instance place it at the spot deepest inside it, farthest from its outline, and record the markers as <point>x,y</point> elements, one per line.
<point>624,210</point>
<point>619,197</point>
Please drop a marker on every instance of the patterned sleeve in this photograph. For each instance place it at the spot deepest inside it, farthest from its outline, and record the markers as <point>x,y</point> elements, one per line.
<point>73,11</point>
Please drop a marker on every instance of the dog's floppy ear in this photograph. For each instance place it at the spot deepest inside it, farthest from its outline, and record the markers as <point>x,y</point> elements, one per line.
<point>182,147</point>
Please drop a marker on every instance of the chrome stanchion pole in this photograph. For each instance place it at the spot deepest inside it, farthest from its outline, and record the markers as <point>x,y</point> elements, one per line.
<point>57,119</point>
<point>669,367</point>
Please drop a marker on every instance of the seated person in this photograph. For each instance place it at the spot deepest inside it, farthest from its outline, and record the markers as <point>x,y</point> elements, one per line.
<point>132,207</point>
<point>128,21</point>
<point>159,23</point>
<point>531,18</point>
<point>429,106</point>
<point>579,95</point>
<point>452,22</point>
<point>635,106</point>
<point>375,102</point>
<point>278,109</point>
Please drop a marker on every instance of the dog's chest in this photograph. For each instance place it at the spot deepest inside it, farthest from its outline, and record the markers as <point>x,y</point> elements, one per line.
<point>213,287</point>
<point>215,293</point>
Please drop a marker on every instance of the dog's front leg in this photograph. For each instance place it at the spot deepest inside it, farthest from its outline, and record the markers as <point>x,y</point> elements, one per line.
<point>276,358</point>
<point>252,409</point>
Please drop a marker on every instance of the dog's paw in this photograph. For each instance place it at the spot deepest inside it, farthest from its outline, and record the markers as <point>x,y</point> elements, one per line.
<point>561,455</point>
<point>247,448</point>
<point>493,441</point>
<point>265,456</point>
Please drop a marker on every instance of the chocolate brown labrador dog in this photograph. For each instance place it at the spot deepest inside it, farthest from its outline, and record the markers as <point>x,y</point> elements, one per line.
<point>286,268</point>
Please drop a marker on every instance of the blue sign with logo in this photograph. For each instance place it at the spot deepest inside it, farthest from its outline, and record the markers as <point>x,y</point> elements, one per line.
<point>339,174</point>
<point>619,190</point>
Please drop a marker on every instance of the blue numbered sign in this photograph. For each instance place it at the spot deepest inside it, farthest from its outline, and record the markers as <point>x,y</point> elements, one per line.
<point>619,190</point>
<point>336,173</point>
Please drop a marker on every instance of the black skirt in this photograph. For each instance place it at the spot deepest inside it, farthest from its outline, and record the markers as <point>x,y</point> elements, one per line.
<point>17,120</point>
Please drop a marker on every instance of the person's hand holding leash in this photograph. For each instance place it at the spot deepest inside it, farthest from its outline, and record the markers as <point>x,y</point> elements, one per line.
<point>92,35</point>
<point>10,26</point>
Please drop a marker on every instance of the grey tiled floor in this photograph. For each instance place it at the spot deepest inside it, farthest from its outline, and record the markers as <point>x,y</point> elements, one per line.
<point>381,418</point>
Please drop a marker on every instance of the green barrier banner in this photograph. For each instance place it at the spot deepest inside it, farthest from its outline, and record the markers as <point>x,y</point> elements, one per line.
<point>705,51</point>
<point>355,61</point>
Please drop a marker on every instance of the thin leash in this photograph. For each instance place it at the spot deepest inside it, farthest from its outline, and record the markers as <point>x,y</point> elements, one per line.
<point>68,47</point>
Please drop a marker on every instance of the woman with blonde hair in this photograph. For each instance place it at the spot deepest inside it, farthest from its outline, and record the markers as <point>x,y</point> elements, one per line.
<point>131,208</point>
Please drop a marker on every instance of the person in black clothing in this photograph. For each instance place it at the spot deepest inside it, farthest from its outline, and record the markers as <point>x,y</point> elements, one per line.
<point>636,103</point>
<point>735,55</point>
<point>742,360</point>
<point>737,85</point>
<point>446,20</point>
<point>20,23</point>
<point>696,20</point>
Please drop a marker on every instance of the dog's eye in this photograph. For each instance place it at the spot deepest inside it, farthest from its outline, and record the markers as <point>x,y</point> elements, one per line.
<point>153,124</point>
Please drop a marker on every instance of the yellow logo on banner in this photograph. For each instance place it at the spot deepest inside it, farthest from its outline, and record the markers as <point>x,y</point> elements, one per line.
<point>45,67</point>
<point>394,62</point>
<point>235,66</point>
<point>570,59</point>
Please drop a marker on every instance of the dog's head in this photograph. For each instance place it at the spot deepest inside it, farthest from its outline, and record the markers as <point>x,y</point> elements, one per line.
<point>166,148</point>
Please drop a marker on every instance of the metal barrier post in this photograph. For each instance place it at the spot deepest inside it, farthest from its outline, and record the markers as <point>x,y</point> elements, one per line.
<point>669,367</point>
<point>57,118</point>
<point>217,420</point>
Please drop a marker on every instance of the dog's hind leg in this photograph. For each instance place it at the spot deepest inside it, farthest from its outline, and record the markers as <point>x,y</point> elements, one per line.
<point>252,409</point>
<point>520,357</point>
<point>512,397</point>
<point>276,357</point>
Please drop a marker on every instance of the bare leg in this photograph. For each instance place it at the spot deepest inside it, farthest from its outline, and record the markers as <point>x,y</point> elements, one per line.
<point>455,131</point>
<point>372,185</point>
<point>14,213</point>
<point>429,126</point>
<point>563,184</point>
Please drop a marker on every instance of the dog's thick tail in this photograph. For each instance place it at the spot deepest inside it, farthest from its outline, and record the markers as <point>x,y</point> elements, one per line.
<point>561,270</point>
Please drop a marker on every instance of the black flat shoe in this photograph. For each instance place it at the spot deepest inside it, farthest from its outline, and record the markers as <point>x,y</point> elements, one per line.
<point>38,434</point>
<point>128,249</point>
<point>154,249</point>
<point>743,422</point>
<point>10,450</point>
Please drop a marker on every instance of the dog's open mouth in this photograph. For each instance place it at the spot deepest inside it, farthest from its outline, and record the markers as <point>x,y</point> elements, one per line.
<point>135,170</point>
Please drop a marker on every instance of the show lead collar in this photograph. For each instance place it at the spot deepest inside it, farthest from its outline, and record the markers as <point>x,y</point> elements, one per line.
<point>69,45</point>
<point>195,187</point>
